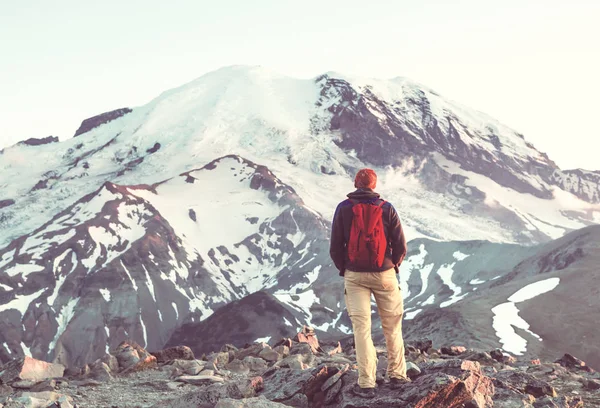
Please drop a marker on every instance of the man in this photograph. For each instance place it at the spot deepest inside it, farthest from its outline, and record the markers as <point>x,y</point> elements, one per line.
<point>367,247</point>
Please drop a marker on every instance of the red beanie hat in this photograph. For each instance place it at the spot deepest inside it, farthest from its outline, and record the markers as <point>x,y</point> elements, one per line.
<point>365,178</point>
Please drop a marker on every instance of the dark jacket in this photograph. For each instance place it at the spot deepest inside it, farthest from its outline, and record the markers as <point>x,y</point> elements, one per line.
<point>340,233</point>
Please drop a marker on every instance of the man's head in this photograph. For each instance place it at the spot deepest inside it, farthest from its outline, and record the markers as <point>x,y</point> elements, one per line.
<point>365,178</point>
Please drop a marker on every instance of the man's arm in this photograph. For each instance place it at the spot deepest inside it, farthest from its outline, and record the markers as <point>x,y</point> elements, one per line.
<point>337,248</point>
<point>396,238</point>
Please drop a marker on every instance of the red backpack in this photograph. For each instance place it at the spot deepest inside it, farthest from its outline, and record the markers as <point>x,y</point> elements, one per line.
<point>367,244</point>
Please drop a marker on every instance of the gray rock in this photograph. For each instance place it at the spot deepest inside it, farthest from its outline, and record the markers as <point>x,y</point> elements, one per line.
<point>23,384</point>
<point>301,348</point>
<point>190,367</point>
<point>284,383</point>
<point>111,361</point>
<point>47,385</point>
<point>283,350</point>
<point>412,370</point>
<point>270,355</point>
<point>258,402</point>
<point>238,367</point>
<point>559,402</point>
<point>254,350</point>
<point>205,397</point>
<point>331,381</point>
<point>255,363</point>
<point>100,371</point>
<point>220,359</point>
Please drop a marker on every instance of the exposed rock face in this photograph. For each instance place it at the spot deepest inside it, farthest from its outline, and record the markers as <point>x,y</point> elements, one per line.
<point>6,203</point>
<point>98,120</point>
<point>38,142</point>
<point>582,183</point>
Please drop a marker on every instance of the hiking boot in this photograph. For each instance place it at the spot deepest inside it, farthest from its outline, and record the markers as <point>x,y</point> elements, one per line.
<point>363,392</point>
<point>398,382</point>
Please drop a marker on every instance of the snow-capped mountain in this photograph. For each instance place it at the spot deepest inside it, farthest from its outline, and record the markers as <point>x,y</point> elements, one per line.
<point>226,186</point>
<point>437,160</point>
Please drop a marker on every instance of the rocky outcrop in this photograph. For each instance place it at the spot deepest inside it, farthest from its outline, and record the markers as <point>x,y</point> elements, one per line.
<point>6,203</point>
<point>98,120</point>
<point>316,379</point>
<point>39,141</point>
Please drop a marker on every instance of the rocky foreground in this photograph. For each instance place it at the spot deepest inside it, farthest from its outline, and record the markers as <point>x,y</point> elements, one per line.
<point>297,372</point>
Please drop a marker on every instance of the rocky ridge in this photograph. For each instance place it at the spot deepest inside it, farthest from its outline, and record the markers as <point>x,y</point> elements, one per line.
<point>298,372</point>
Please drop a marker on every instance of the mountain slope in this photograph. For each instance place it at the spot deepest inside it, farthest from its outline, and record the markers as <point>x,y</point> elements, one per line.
<point>138,261</point>
<point>543,307</point>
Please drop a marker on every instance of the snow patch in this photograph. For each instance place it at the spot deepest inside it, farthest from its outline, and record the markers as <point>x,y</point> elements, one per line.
<point>506,316</point>
<point>263,339</point>
<point>105,294</point>
<point>64,317</point>
<point>21,302</point>
<point>411,315</point>
<point>459,256</point>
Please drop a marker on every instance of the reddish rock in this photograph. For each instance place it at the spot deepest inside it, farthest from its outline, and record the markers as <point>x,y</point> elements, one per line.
<point>307,335</point>
<point>453,350</point>
<point>28,368</point>
<point>146,364</point>
<point>174,353</point>
<point>536,362</point>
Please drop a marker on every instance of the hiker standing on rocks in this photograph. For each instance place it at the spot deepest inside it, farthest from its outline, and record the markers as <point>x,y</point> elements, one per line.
<point>367,246</point>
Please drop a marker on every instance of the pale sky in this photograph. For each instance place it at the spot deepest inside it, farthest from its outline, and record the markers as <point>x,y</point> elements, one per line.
<point>532,64</point>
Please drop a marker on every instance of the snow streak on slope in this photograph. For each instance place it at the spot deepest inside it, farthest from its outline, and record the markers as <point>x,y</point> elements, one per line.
<point>506,316</point>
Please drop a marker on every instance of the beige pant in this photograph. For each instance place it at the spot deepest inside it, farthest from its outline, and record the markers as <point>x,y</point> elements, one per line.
<point>384,286</point>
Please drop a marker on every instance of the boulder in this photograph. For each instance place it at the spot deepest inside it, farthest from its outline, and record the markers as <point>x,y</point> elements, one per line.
<point>189,367</point>
<point>255,363</point>
<point>28,368</point>
<point>253,350</point>
<point>229,347</point>
<point>283,350</point>
<point>111,361</point>
<point>270,355</point>
<point>238,367</point>
<point>453,350</point>
<point>497,355</point>
<point>100,371</point>
<point>174,353</point>
<point>573,362</point>
<point>220,359</point>
<point>412,370</point>
<point>253,386</point>
<point>146,364</point>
